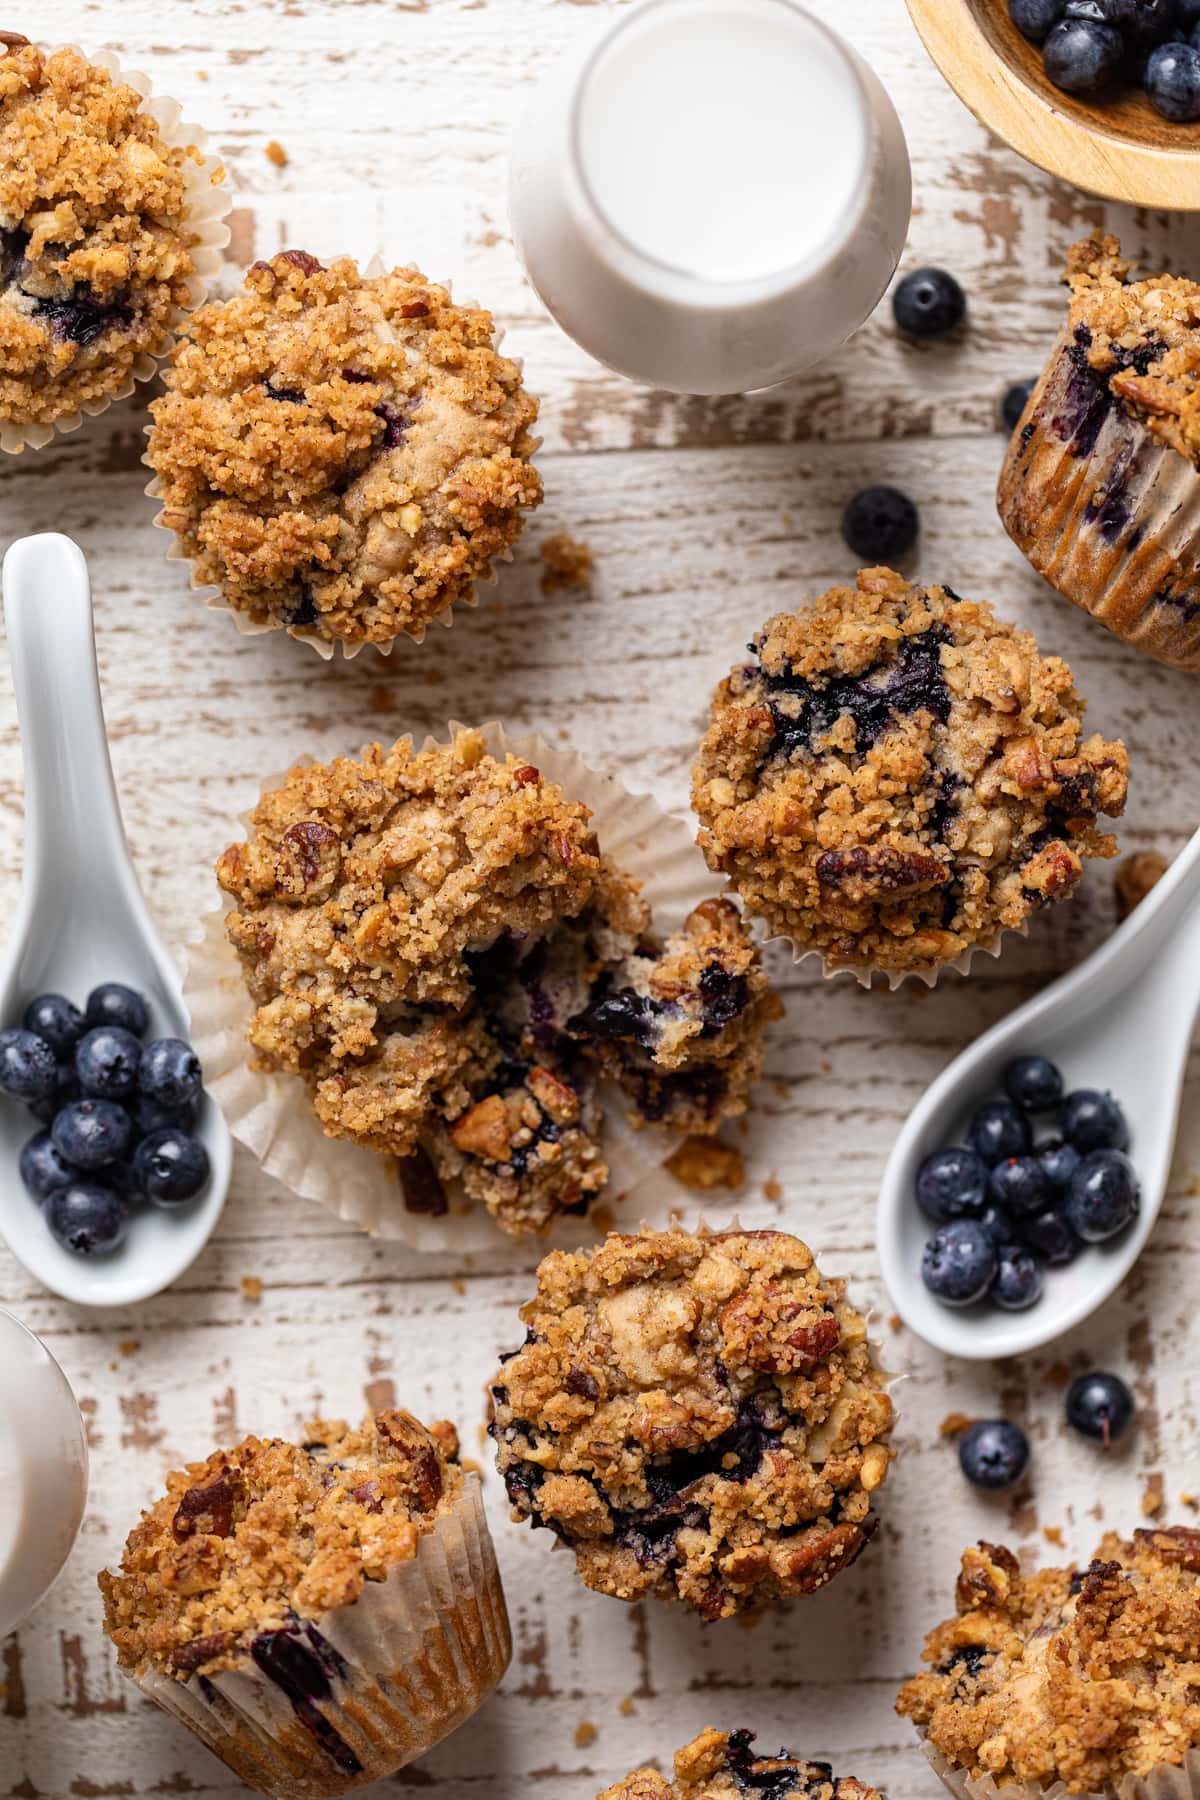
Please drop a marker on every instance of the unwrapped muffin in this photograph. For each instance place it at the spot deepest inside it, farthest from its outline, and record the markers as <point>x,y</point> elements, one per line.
<point>698,1417</point>
<point>319,1614</point>
<point>721,1765</point>
<point>1100,487</point>
<point>898,777</point>
<point>342,455</point>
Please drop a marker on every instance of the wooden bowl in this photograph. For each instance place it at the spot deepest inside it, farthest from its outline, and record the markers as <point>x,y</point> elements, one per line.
<point>1122,150</point>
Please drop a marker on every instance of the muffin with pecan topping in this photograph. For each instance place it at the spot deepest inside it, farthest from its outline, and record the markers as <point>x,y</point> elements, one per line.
<point>319,1614</point>
<point>722,1765</point>
<point>898,777</point>
<point>698,1417</point>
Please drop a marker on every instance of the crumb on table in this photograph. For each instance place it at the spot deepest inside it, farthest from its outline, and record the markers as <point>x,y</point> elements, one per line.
<point>585,1734</point>
<point>277,154</point>
<point>569,564</point>
<point>954,1424</point>
<point>772,1188</point>
<point>1154,1497</point>
<point>704,1163</point>
<point>251,1287</point>
<point>1053,1534</point>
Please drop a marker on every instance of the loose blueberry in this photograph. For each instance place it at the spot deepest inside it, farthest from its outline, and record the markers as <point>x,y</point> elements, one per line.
<point>1090,1120</point>
<point>993,1454</point>
<point>1100,1405</point>
<point>42,1168</point>
<point>169,1072</point>
<point>59,1024</point>
<point>107,1062</point>
<point>951,1184</point>
<point>170,1167</point>
<point>151,1115</point>
<point>1081,56</point>
<point>881,524</point>
<point>28,1070</point>
<point>959,1262</point>
<point>90,1134</point>
<point>999,1130</point>
<point>114,1004</point>
<point>1019,1185</point>
<point>1050,1237</point>
<point>87,1218</point>
<point>929,303</point>
<point>1033,1083</point>
<point>1017,1282</point>
<point>1033,18</point>
<point>1016,399</point>
<point>1059,1162</point>
<point>1172,82</point>
<point>1103,1196</point>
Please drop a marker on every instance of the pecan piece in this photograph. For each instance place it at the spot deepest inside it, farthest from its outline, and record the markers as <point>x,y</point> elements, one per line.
<point>774,1331</point>
<point>423,1192</point>
<point>301,259</point>
<point>527,775</point>
<point>484,1131</point>
<point>818,1557</point>
<point>580,1383</point>
<point>209,1510</point>
<point>187,1658</point>
<point>1052,872</point>
<point>986,1578</point>
<point>866,872</point>
<point>368,1496</point>
<point>1027,765</point>
<point>558,1101</point>
<point>1173,1544</point>
<point>415,1448</point>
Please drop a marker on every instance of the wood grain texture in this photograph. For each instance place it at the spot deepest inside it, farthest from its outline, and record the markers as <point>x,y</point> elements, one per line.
<point>705,516</point>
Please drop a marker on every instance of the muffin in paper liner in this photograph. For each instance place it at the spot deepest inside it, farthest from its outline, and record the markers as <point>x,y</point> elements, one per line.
<point>1105,511</point>
<point>208,203</point>
<point>272,1115</point>
<point>1166,1782</point>
<point>390,1675</point>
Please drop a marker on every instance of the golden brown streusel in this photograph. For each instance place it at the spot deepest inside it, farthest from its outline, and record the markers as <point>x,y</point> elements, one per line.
<point>697,1416</point>
<point>899,776</point>
<point>341,455</point>
<point>253,1536</point>
<point>1080,1677</point>
<point>94,239</point>
<point>723,1765</point>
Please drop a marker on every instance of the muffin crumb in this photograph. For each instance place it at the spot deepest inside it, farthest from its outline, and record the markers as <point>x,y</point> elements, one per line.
<point>569,564</point>
<point>706,1163</point>
<point>1135,876</point>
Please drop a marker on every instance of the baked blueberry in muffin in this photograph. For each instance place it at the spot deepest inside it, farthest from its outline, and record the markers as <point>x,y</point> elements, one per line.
<point>896,776</point>
<point>723,1765</point>
<point>697,1417</point>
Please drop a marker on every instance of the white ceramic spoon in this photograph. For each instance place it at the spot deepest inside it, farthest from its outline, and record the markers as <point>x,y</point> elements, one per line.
<point>43,1471</point>
<point>1120,1021</point>
<point>81,918</point>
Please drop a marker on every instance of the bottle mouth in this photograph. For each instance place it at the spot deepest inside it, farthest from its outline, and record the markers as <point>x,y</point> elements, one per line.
<point>632,180</point>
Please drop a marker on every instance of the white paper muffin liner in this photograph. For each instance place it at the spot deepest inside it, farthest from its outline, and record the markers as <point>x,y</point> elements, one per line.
<point>272,1114</point>
<point>1166,1782</point>
<point>419,1652</point>
<point>206,206</point>
<point>895,978</point>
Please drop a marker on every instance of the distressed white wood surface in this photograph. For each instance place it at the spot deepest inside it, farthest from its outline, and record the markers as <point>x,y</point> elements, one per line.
<point>705,516</point>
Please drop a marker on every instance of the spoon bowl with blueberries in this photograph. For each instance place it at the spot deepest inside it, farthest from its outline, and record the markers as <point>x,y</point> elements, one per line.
<point>114,1163</point>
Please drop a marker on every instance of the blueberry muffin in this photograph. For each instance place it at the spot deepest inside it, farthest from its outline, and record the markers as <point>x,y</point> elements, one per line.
<point>1100,488</point>
<point>342,456</point>
<point>1084,1677</point>
<point>722,1765</point>
<point>898,777</point>
<point>437,946</point>
<point>697,1417</point>
<point>95,243</point>
<point>320,1614</point>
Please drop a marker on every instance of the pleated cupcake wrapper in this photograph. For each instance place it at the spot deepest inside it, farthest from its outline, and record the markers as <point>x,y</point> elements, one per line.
<point>896,978</point>
<point>214,598</point>
<point>422,1650</point>
<point>1113,529</point>
<point>206,206</point>
<point>271,1113</point>
<point>1166,1782</point>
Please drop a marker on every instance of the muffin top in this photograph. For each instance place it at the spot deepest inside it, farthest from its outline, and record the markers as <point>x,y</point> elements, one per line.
<point>722,1765</point>
<point>262,1540</point>
<point>1082,1677</point>
<point>94,244</point>
<point>341,455</point>
<point>898,776</point>
<point>697,1416</point>
<point>1141,337</point>
<point>435,944</point>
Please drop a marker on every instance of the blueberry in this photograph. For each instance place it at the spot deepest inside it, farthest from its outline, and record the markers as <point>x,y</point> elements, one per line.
<point>1187,12</point>
<point>959,1262</point>
<point>87,1218</point>
<point>928,304</point>
<point>1148,22</point>
<point>951,1184</point>
<point>90,1134</point>
<point>1100,1405</point>
<point>170,1167</point>
<point>59,1024</point>
<point>107,1061</point>
<point>151,1115</point>
<point>1059,1162</point>
<point>169,1072</point>
<point>28,1070</point>
<point>1033,18</point>
<point>1090,1120</point>
<point>997,1224</point>
<point>1016,399</point>
<point>42,1168</point>
<point>1103,1196</point>
<point>881,524</point>
<point>114,1004</point>
<point>999,1130</point>
<point>1081,56</point>
<point>993,1454</point>
<point>1018,1184</point>
<point>1033,1083</point>
<point>1017,1282</point>
<point>1049,1235</point>
<point>1172,82</point>
<point>66,1089</point>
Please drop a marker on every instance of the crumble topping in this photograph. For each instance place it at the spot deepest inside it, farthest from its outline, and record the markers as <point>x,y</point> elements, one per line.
<point>898,775</point>
<point>720,1765</point>
<point>1079,1676</point>
<point>697,1416</point>
<point>342,456</point>
<point>255,1541</point>
<point>437,946</point>
<point>94,241</point>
